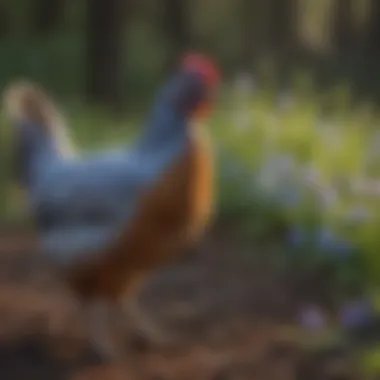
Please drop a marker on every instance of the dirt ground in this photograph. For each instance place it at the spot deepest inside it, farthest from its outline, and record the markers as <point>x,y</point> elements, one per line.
<point>226,310</point>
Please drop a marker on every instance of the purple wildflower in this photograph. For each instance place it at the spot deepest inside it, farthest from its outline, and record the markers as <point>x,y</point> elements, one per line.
<point>356,313</point>
<point>312,318</point>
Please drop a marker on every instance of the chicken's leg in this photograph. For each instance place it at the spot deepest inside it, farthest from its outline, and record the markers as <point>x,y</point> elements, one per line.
<point>134,318</point>
<point>141,323</point>
<point>99,316</point>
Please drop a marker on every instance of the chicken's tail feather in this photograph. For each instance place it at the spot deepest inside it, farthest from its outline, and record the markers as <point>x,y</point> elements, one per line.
<point>28,102</point>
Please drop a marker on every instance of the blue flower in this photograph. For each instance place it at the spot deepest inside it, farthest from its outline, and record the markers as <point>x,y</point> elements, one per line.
<point>296,236</point>
<point>356,313</point>
<point>328,241</point>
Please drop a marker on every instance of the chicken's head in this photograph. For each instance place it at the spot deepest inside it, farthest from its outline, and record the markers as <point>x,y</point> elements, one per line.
<point>205,78</point>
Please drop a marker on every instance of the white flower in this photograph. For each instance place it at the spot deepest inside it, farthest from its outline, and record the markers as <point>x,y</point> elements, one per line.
<point>358,214</point>
<point>242,121</point>
<point>244,84</point>
<point>331,135</point>
<point>286,101</point>
<point>328,196</point>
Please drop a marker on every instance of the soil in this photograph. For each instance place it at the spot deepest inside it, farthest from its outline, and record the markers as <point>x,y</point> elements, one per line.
<point>226,309</point>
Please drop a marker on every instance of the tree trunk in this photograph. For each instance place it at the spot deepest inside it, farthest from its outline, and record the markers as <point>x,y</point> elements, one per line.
<point>49,14</point>
<point>105,41</point>
<point>373,31</point>
<point>343,27</point>
<point>283,24</point>
<point>4,22</point>
<point>176,29</point>
<point>254,23</point>
<point>249,33</point>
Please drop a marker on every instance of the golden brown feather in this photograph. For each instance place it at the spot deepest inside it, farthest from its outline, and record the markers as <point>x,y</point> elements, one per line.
<point>170,217</point>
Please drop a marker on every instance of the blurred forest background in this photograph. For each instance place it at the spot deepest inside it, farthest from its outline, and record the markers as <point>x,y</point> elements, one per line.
<point>296,129</point>
<point>295,122</point>
<point>117,51</point>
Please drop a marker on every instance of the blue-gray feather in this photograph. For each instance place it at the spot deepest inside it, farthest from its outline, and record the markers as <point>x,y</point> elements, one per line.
<point>82,204</point>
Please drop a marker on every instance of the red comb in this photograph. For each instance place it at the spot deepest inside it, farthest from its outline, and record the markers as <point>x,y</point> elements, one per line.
<point>202,65</point>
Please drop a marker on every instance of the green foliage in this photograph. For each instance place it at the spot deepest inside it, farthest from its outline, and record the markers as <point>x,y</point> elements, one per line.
<point>333,158</point>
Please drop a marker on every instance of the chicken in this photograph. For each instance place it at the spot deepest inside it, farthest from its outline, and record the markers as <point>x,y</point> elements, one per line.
<point>108,220</point>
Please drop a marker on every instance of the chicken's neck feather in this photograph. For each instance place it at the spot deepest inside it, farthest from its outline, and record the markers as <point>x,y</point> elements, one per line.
<point>169,120</point>
<point>166,129</point>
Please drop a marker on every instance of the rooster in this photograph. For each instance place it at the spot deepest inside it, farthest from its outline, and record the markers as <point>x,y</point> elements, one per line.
<point>108,220</point>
